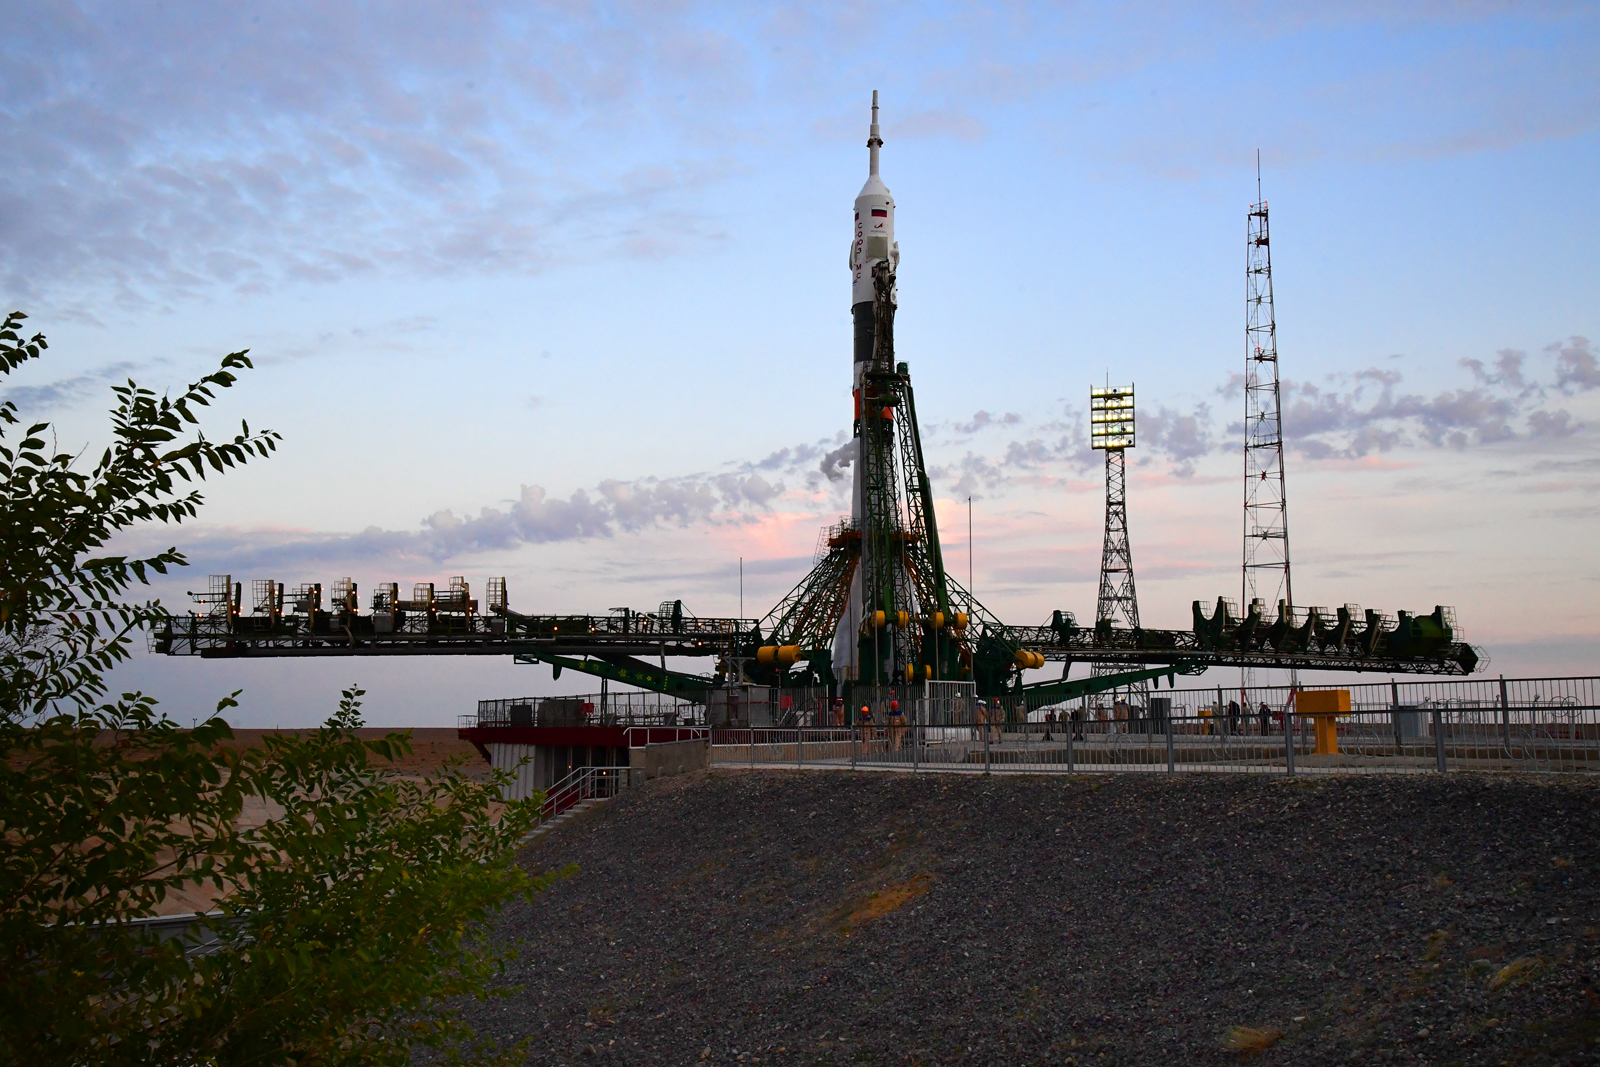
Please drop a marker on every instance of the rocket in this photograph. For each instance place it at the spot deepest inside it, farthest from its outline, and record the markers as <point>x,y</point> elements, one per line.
<point>872,239</point>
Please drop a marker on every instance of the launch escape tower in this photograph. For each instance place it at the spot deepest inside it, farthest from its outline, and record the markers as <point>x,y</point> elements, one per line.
<point>1266,590</point>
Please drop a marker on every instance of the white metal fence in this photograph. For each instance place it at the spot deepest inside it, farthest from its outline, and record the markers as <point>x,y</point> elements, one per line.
<point>1550,724</point>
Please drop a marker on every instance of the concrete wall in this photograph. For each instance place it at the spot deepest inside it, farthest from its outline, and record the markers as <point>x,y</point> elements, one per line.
<point>674,757</point>
<point>548,764</point>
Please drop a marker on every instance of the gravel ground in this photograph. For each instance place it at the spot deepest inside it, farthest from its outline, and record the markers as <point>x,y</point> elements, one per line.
<point>785,917</point>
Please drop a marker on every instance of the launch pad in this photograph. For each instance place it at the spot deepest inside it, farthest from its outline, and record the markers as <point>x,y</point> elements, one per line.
<point>878,611</point>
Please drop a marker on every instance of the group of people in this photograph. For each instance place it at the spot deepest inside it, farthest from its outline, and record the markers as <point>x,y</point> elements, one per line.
<point>990,717</point>
<point>1239,718</point>
<point>893,729</point>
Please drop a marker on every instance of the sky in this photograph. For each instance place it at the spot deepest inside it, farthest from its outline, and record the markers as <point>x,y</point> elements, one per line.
<point>558,292</point>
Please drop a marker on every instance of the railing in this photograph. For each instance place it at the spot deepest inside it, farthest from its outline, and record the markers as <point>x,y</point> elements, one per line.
<point>1403,740</point>
<point>627,708</point>
<point>584,783</point>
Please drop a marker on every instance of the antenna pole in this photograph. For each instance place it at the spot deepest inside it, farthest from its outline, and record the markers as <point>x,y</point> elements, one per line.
<point>1265,578</point>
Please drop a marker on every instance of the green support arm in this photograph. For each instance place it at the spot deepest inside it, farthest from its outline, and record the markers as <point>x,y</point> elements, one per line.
<point>1055,692</point>
<point>626,670</point>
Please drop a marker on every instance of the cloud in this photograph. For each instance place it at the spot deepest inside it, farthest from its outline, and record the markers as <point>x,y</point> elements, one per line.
<point>65,392</point>
<point>1576,370</point>
<point>1183,437</point>
<point>156,152</point>
<point>536,516</point>
<point>1552,425</point>
<point>982,420</point>
<point>1367,412</point>
<point>1351,417</point>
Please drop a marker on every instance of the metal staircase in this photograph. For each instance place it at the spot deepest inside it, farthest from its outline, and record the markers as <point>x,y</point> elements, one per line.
<point>584,788</point>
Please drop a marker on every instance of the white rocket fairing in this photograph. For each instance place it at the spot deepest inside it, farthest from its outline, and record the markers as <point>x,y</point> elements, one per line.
<point>874,228</point>
<point>872,240</point>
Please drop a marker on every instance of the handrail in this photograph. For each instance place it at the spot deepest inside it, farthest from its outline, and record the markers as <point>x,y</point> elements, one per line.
<point>583,783</point>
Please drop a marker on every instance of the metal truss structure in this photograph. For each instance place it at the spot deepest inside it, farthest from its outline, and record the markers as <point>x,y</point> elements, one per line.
<point>610,645</point>
<point>1112,431</point>
<point>1266,577</point>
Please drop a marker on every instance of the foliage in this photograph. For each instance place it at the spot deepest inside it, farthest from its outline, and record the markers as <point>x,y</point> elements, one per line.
<point>350,913</point>
<point>62,622</point>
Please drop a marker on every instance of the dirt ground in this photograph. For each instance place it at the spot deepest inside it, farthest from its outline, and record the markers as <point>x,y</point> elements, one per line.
<point>871,918</point>
<point>431,749</point>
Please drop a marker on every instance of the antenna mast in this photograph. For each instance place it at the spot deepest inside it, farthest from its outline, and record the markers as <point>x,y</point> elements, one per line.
<point>1266,505</point>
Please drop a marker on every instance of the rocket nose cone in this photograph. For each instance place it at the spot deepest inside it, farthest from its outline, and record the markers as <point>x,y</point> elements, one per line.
<point>874,187</point>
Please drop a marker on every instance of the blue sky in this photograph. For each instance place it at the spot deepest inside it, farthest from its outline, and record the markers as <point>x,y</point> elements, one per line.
<point>559,292</point>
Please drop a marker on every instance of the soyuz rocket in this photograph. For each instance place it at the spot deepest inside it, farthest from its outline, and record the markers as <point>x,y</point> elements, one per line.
<point>872,240</point>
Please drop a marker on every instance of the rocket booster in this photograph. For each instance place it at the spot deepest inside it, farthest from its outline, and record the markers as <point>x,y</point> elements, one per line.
<point>872,241</point>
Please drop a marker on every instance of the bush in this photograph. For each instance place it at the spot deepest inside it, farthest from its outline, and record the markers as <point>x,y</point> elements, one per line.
<point>349,917</point>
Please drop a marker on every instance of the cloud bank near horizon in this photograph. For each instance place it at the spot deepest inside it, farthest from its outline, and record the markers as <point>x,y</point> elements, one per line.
<point>1507,407</point>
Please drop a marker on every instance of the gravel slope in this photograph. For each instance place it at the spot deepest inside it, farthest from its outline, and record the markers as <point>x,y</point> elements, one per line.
<point>784,917</point>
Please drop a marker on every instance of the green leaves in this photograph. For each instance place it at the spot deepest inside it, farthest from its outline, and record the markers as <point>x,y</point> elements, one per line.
<point>349,921</point>
<point>63,619</point>
<point>351,895</point>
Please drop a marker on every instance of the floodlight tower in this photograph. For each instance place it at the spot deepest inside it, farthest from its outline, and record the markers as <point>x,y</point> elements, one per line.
<point>1266,503</point>
<point>1111,431</point>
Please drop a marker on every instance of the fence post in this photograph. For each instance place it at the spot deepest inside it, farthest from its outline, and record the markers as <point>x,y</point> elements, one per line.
<point>799,743</point>
<point>1288,738</point>
<point>1438,738</point>
<point>986,743</point>
<point>1394,713</point>
<point>1170,767</point>
<point>852,743</point>
<point>1072,730</point>
<point>916,733</point>
<point>1505,716</point>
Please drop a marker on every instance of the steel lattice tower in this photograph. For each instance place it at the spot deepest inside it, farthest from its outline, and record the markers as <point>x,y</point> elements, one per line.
<point>1266,505</point>
<point>1111,430</point>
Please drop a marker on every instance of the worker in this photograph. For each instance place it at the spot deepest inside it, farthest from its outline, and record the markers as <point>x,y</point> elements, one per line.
<point>838,711</point>
<point>1233,716</point>
<point>865,719</point>
<point>1266,716</point>
<point>988,718</point>
<point>1077,722</point>
<point>897,726</point>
